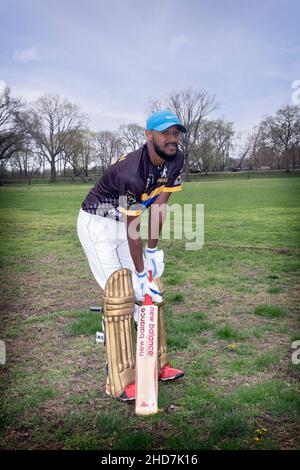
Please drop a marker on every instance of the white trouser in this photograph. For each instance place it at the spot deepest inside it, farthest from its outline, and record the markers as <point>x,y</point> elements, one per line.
<point>104,241</point>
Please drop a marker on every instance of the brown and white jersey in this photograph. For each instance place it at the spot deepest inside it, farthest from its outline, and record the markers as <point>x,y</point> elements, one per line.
<point>132,184</point>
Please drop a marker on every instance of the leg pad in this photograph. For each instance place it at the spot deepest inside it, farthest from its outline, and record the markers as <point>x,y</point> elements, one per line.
<point>120,335</point>
<point>162,337</point>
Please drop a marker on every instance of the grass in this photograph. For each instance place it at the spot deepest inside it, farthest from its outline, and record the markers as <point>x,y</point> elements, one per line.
<point>231,312</point>
<point>270,311</point>
<point>85,323</point>
<point>227,332</point>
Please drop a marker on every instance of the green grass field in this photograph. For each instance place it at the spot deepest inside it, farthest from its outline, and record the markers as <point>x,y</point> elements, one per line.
<point>231,314</point>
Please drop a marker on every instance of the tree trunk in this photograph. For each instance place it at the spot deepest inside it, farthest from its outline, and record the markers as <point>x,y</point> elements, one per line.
<point>53,171</point>
<point>65,166</point>
<point>286,158</point>
<point>186,167</point>
<point>20,169</point>
<point>293,159</point>
<point>26,169</point>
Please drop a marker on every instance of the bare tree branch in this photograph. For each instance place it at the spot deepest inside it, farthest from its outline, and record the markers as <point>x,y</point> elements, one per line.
<point>133,136</point>
<point>191,106</point>
<point>50,122</point>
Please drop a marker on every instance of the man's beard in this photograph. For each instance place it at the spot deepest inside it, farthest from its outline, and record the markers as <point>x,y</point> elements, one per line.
<point>162,154</point>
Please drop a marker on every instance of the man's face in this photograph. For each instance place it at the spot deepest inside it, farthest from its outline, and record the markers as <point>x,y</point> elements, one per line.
<point>165,143</point>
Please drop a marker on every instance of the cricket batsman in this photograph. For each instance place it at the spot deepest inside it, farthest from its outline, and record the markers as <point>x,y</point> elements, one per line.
<point>108,227</point>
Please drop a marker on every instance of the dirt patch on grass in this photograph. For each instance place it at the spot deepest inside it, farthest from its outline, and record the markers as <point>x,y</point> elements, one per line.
<point>36,291</point>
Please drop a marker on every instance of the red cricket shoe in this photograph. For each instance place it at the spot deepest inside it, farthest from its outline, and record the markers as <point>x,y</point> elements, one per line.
<point>168,373</point>
<point>127,395</point>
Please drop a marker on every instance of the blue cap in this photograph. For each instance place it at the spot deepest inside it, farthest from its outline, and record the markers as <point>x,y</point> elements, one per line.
<point>161,120</point>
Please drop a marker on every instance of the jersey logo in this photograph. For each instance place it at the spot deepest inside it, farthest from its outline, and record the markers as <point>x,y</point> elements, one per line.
<point>177,181</point>
<point>131,198</point>
<point>150,181</point>
<point>163,174</point>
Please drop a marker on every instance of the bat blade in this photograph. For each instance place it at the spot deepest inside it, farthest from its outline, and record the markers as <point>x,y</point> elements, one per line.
<point>146,360</point>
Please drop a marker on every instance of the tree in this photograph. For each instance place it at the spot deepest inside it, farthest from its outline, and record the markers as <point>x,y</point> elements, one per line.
<point>108,147</point>
<point>211,149</point>
<point>132,135</point>
<point>50,122</point>
<point>206,152</point>
<point>242,148</point>
<point>283,130</point>
<point>11,135</point>
<point>86,150</point>
<point>222,137</point>
<point>191,106</point>
<point>254,144</point>
<point>26,162</point>
<point>79,152</point>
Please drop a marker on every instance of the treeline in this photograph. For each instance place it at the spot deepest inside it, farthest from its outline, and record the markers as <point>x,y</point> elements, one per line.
<point>51,135</point>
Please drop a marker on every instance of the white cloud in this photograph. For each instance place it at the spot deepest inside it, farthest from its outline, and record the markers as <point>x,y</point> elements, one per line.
<point>2,86</point>
<point>26,55</point>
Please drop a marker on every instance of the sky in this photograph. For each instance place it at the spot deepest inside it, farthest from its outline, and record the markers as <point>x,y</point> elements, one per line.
<point>112,56</point>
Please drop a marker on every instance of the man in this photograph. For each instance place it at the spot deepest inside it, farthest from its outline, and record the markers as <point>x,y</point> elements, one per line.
<point>109,230</point>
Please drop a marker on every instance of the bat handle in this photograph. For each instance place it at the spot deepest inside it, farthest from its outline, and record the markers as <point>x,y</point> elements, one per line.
<point>148,300</point>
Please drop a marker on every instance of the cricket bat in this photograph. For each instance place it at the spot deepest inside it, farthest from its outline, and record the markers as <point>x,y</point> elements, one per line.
<point>146,379</point>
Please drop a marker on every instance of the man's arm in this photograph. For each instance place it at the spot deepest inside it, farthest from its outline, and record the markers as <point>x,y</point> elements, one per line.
<point>134,241</point>
<point>157,215</point>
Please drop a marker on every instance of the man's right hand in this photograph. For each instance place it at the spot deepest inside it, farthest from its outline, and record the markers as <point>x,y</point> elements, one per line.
<point>155,261</point>
<point>147,287</point>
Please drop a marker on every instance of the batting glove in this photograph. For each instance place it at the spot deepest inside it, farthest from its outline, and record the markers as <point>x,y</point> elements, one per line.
<point>144,286</point>
<point>155,261</point>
